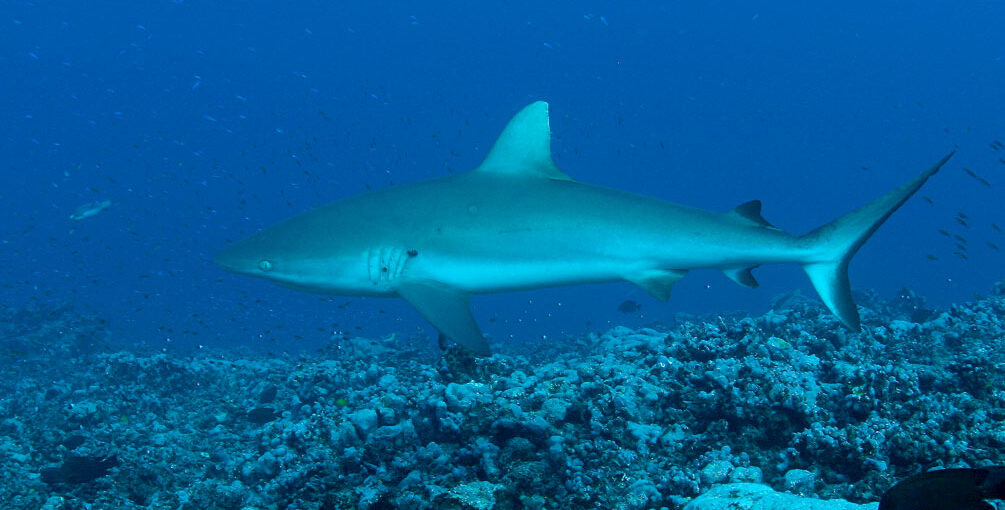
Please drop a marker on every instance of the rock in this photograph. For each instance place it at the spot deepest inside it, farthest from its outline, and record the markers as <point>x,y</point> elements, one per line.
<point>799,481</point>
<point>364,419</point>
<point>746,474</point>
<point>752,496</point>
<point>476,495</point>
<point>462,397</point>
<point>716,472</point>
<point>54,503</point>
<point>554,409</point>
<point>646,433</point>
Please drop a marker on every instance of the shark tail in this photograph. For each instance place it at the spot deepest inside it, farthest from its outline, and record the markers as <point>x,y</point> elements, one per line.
<point>832,246</point>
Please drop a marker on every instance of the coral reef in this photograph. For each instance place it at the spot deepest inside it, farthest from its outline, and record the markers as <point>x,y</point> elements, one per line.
<point>626,419</point>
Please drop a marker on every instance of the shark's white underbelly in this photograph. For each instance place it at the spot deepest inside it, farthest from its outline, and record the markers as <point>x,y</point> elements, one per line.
<point>500,275</point>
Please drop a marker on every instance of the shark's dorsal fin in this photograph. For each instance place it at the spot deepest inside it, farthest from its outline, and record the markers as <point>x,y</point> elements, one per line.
<point>750,213</point>
<point>524,147</point>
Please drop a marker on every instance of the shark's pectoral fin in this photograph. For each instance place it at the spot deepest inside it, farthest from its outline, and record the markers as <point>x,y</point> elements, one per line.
<point>742,276</point>
<point>447,310</point>
<point>657,282</point>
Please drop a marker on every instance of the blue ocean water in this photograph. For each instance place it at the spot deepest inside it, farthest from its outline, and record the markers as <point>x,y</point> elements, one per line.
<point>202,122</point>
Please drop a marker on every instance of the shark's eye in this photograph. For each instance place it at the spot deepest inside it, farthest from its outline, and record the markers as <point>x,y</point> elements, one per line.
<point>265,265</point>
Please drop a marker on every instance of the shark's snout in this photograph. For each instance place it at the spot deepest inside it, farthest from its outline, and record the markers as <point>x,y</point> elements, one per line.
<point>232,259</point>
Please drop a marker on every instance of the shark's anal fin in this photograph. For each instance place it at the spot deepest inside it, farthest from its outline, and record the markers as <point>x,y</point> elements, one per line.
<point>742,276</point>
<point>657,282</point>
<point>447,310</point>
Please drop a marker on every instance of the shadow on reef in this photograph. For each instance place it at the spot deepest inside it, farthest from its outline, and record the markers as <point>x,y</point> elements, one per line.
<point>77,469</point>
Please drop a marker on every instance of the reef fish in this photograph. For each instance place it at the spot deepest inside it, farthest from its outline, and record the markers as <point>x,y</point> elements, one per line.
<point>518,222</point>
<point>90,209</point>
<point>947,489</point>
<point>629,306</point>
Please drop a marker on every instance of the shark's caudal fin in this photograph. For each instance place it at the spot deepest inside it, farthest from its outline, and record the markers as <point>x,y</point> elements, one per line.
<point>833,245</point>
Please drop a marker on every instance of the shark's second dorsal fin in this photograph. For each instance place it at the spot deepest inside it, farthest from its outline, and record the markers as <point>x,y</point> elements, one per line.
<point>750,213</point>
<point>524,147</point>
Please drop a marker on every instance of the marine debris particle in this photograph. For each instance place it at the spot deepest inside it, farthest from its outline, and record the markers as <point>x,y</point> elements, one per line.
<point>77,469</point>
<point>262,415</point>
<point>90,209</point>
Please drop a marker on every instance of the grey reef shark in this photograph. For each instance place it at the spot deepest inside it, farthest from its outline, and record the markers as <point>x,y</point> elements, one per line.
<point>518,222</point>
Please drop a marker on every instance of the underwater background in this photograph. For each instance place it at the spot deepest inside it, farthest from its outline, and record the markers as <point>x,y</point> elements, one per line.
<point>201,122</point>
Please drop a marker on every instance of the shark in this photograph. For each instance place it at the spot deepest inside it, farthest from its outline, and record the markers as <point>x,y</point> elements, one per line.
<point>517,222</point>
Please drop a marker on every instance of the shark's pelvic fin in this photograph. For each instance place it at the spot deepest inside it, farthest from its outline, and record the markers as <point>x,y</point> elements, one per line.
<point>832,246</point>
<point>447,310</point>
<point>657,282</point>
<point>524,147</point>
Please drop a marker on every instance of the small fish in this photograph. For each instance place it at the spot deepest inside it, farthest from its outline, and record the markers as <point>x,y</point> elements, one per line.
<point>961,255</point>
<point>927,199</point>
<point>970,172</point>
<point>993,246</point>
<point>984,181</point>
<point>931,257</point>
<point>629,306</point>
<point>996,227</point>
<point>943,232</point>
<point>90,209</point>
<point>947,489</point>
<point>961,214</point>
<point>960,238</point>
<point>961,221</point>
